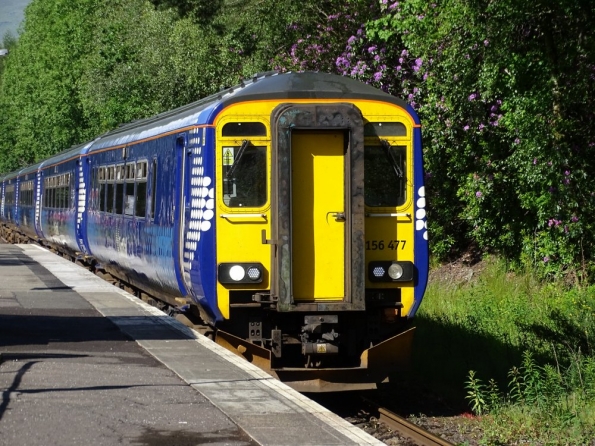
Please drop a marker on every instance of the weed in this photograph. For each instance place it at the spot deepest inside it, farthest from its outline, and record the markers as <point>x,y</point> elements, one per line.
<point>476,394</point>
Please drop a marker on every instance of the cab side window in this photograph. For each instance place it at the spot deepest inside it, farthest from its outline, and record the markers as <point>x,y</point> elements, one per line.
<point>244,167</point>
<point>385,165</point>
<point>244,176</point>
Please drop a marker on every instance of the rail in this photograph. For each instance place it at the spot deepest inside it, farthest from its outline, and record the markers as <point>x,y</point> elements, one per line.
<point>421,436</point>
<point>405,428</point>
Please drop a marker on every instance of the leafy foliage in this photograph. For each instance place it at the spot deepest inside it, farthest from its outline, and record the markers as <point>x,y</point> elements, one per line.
<point>505,91</point>
<point>39,82</point>
<point>82,68</point>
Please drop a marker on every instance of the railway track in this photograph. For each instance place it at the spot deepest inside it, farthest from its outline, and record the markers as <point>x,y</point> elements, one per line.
<point>421,436</point>
<point>405,428</point>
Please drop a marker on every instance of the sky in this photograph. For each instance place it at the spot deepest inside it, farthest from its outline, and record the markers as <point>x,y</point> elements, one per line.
<point>11,15</point>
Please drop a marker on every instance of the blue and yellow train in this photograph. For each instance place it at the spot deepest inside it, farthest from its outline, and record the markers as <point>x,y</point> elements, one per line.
<point>289,211</point>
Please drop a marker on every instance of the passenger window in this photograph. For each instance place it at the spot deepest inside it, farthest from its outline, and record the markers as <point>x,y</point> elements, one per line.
<point>141,189</point>
<point>385,168</point>
<point>129,198</point>
<point>102,188</point>
<point>244,175</point>
<point>110,198</point>
<point>153,197</point>
<point>57,192</point>
<point>9,195</point>
<point>119,189</point>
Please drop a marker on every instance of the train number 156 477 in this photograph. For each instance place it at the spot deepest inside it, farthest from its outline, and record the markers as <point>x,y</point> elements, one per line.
<point>379,245</point>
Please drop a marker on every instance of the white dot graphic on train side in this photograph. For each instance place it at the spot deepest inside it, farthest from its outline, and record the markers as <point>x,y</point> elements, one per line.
<point>420,214</point>
<point>202,207</point>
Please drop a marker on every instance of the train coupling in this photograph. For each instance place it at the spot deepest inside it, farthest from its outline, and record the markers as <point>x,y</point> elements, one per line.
<point>319,336</point>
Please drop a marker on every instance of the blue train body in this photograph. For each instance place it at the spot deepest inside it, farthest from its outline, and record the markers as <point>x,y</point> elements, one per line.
<point>158,203</point>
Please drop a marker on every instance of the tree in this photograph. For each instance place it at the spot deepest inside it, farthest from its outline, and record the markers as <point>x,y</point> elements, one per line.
<point>505,92</point>
<point>39,83</point>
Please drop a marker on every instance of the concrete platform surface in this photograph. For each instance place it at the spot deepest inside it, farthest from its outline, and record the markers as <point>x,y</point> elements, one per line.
<point>83,362</point>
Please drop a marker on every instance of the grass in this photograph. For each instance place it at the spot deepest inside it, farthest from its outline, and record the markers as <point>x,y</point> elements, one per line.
<point>516,351</point>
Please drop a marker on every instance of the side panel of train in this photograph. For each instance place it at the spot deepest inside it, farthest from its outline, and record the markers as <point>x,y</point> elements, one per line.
<point>135,213</point>
<point>27,191</point>
<point>59,204</point>
<point>9,208</point>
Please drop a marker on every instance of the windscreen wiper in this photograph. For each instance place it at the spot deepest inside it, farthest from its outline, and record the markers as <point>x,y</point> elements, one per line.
<point>391,157</point>
<point>236,161</point>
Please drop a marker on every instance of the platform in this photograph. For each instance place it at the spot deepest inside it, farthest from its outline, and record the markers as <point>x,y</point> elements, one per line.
<point>83,362</point>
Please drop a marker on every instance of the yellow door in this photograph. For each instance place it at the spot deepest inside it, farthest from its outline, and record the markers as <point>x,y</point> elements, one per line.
<point>318,215</point>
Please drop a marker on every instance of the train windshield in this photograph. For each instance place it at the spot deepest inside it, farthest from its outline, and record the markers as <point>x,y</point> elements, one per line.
<point>244,175</point>
<point>385,168</point>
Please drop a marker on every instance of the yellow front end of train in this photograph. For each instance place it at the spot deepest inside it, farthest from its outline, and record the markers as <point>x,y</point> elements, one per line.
<point>315,236</point>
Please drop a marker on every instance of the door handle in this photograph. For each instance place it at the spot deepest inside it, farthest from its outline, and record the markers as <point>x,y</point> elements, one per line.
<point>339,216</point>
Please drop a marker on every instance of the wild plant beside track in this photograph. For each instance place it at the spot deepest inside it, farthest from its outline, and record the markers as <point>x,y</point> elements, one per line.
<point>520,353</point>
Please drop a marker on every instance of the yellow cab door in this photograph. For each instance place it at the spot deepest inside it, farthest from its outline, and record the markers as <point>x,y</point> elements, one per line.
<point>318,214</point>
<point>317,222</point>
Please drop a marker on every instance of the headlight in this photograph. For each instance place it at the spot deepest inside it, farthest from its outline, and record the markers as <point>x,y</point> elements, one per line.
<point>240,273</point>
<point>395,271</point>
<point>237,273</point>
<point>390,271</point>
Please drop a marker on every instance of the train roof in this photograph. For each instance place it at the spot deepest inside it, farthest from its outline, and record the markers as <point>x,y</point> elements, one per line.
<point>68,154</point>
<point>30,169</point>
<point>65,155</point>
<point>273,85</point>
<point>308,85</point>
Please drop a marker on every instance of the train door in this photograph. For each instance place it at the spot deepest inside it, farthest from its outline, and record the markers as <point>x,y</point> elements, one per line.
<point>318,206</point>
<point>37,198</point>
<point>181,185</point>
<point>318,214</point>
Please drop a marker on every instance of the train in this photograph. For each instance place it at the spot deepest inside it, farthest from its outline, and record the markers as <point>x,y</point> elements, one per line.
<point>288,213</point>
